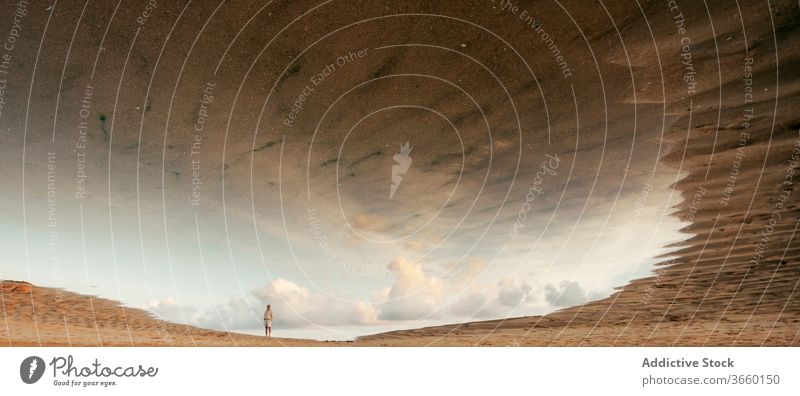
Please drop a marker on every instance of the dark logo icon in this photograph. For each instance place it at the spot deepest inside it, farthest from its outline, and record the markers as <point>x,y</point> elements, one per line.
<point>31,369</point>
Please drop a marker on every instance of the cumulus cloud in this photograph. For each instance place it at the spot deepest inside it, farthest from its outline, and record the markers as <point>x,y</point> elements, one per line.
<point>567,293</point>
<point>413,295</point>
<point>236,313</point>
<point>513,295</point>
<point>416,294</point>
<point>296,306</point>
<point>501,299</point>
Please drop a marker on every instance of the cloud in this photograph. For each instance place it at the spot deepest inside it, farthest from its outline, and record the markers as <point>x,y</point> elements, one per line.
<point>513,295</point>
<point>169,309</point>
<point>237,313</point>
<point>297,306</point>
<point>568,293</point>
<point>368,222</point>
<point>464,272</point>
<point>417,295</point>
<point>501,299</point>
<point>469,305</point>
<point>413,295</point>
<point>413,245</point>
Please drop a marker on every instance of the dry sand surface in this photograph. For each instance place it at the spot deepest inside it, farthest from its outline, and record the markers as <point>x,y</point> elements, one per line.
<point>735,280</point>
<point>35,316</point>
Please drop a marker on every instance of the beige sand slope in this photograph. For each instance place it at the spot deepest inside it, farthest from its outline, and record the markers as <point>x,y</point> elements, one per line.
<point>734,281</point>
<point>34,316</point>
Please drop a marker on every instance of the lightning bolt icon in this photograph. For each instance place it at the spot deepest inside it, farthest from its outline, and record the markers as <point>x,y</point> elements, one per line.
<point>403,160</point>
<point>34,365</point>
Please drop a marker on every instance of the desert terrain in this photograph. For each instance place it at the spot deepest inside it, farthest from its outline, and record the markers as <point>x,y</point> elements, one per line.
<point>715,120</point>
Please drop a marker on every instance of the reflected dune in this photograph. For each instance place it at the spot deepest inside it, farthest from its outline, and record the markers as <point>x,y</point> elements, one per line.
<point>543,174</point>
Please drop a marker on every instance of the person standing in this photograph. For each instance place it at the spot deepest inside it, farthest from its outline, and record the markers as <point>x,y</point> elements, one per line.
<point>268,320</point>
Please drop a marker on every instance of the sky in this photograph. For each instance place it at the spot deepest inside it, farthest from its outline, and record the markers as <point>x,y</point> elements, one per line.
<point>358,178</point>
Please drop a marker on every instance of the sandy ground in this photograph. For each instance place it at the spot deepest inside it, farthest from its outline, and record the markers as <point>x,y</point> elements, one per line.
<point>42,316</point>
<point>734,281</point>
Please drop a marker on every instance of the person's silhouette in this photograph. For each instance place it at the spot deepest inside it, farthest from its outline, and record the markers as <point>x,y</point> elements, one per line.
<point>268,321</point>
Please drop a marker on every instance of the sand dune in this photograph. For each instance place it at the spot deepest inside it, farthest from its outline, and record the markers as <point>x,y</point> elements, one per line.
<point>735,280</point>
<point>34,316</point>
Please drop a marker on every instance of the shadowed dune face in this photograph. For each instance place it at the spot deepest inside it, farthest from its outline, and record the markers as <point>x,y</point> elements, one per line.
<point>404,165</point>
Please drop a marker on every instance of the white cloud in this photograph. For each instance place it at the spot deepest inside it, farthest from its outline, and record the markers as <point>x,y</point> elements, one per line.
<point>413,295</point>
<point>502,299</point>
<point>169,309</point>
<point>513,295</point>
<point>297,306</point>
<point>566,294</point>
<point>417,295</point>
<point>468,305</point>
<point>238,313</point>
<point>294,306</point>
